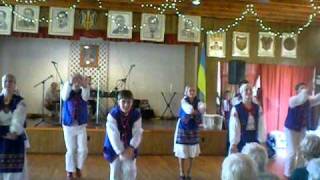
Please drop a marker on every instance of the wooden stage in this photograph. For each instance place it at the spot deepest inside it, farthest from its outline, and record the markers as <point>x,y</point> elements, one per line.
<point>157,138</point>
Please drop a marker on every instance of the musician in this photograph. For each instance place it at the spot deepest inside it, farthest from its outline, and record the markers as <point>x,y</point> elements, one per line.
<point>52,98</point>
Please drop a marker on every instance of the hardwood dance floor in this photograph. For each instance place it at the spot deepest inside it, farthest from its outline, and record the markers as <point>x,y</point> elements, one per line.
<point>51,167</point>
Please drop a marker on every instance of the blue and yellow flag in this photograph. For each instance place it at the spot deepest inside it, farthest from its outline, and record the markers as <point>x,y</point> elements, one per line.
<point>202,75</point>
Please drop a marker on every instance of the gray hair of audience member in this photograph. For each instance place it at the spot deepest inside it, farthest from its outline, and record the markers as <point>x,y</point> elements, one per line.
<point>313,169</point>
<point>257,153</point>
<point>238,166</point>
<point>310,147</point>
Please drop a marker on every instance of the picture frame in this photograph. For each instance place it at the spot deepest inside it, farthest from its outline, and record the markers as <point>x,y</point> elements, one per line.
<point>289,45</point>
<point>5,20</point>
<point>266,44</point>
<point>153,27</point>
<point>89,55</point>
<point>241,44</point>
<point>216,45</point>
<point>62,23</point>
<point>189,28</point>
<point>26,19</point>
<point>119,24</point>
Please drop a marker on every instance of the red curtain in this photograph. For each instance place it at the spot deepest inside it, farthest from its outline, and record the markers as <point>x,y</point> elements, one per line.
<point>277,84</point>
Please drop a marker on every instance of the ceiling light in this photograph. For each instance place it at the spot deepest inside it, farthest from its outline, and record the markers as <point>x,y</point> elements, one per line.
<point>196,2</point>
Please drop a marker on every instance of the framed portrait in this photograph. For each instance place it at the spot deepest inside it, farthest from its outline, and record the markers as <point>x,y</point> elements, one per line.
<point>240,44</point>
<point>89,55</point>
<point>119,24</point>
<point>27,19</point>
<point>216,45</point>
<point>289,45</point>
<point>5,20</point>
<point>266,45</point>
<point>153,27</point>
<point>62,23</point>
<point>189,29</point>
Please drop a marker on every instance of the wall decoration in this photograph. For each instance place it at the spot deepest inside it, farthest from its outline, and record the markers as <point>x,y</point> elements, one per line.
<point>241,44</point>
<point>62,21</point>
<point>119,24</point>
<point>153,27</point>
<point>5,20</point>
<point>188,29</point>
<point>89,55</point>
<point>266,45</point>
<point>216,45</point>
<point>289,45</point>
<point>26,19</point>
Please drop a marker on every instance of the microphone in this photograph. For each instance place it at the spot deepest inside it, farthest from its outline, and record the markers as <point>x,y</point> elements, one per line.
<point>53,62</point>
<point>132,65</point>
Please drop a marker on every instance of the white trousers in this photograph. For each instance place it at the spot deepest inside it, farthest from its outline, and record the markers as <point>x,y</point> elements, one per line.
<point>123,170</point>
<point>16,176</point>
<point>75,138</point>
<point>295,158</point>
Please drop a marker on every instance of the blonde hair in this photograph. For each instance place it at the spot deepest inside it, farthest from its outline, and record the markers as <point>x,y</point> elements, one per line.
<point>7,76</point>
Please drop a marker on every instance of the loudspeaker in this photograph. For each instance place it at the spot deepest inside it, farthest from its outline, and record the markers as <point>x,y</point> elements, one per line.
<point>237,70</point>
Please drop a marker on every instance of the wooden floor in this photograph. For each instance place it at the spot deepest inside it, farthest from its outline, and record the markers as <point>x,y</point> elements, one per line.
<point>51,167</point>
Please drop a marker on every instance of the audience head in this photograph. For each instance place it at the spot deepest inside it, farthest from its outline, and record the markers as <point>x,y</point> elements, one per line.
<point>125,100</point>
<point>257,153</point>
<point>313,169</point>
<point>54,86</point>
<point>310,147</point>
<point>238,167</point>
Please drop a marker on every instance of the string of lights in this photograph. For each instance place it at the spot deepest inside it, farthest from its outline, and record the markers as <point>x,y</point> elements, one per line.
<point>172,5</point>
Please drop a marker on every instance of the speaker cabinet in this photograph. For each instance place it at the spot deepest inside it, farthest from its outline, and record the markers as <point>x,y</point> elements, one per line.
<point>237,70</point>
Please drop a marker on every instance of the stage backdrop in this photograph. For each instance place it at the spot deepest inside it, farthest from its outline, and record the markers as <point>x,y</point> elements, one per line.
<point>157,67</point>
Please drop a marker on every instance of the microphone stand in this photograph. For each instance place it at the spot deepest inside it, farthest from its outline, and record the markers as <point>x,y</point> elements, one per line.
<point>61,86</point>
<point>43,89</point>
<point>124,80</point>
<point>98,99</point>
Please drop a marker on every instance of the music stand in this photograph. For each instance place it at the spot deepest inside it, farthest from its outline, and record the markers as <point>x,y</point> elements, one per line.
<point>168,105</point>
<point>43,89</point>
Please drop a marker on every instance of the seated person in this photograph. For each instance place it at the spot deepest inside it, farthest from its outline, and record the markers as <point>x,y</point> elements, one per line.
<point>310,149</point>
<point>259,155</point>
<point>238,167</point>
<point>52,98</point>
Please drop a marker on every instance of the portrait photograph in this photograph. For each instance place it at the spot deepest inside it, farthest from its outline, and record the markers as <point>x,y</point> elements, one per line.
<point>119,24</point>
<point>240,44</point>
<point>89,55</point>
<point>29,22</point>
<point>62,23</point>
<point>216,45</point>
<point>289,45</point>
<point>189,29</point>
<point>153,27</point>
<point>266,45</point>
<point>5,20</point>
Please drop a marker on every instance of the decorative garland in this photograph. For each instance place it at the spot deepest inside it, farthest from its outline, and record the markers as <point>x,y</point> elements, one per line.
<point>172,5</point>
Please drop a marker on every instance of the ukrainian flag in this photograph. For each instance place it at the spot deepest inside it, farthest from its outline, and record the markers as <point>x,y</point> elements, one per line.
<point>202,75</point>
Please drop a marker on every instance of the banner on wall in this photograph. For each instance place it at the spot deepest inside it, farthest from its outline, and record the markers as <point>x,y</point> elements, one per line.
<point>216,45</point>
<point>266,45</point>
<point>240,41</point>
<point>289,45</point>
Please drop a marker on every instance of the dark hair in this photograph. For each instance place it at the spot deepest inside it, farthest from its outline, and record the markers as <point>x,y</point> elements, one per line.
<point>299,85</point>
<point>244,81</point>
<point>125,94</point>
